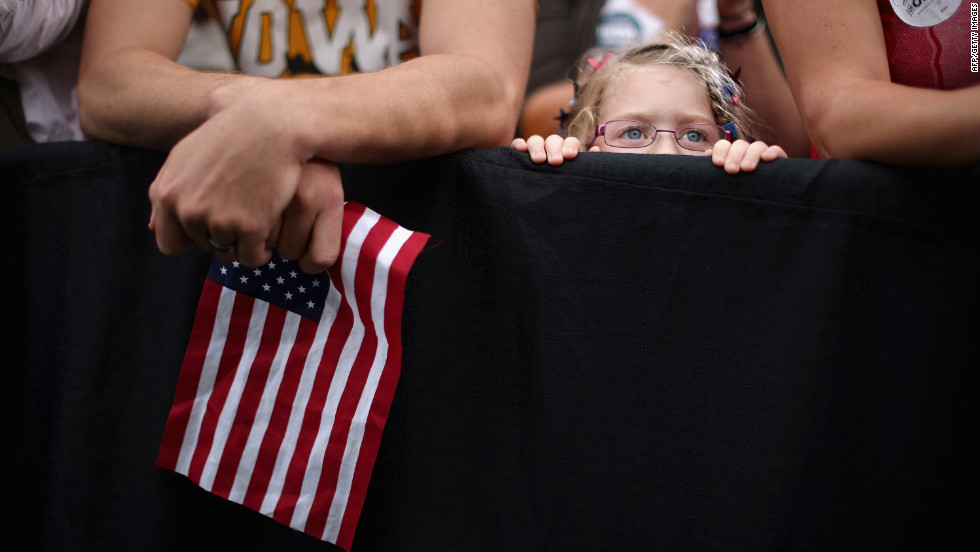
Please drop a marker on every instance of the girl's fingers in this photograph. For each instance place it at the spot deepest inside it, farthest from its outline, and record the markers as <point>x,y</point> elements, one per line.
<point>759,151</point>
<point>519,144</point>
<point>720,152</point>
<point>735,155</point>
<point>773,153</point>
<point>752,155</point>
<point>571,148</point>
<point>553,146</point>
<point>535,147</point>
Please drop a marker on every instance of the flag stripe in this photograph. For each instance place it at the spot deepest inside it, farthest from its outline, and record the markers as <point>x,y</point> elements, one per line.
<point>235,386</point>
<point>282,409</point>
<point>352,447</point>
<point>318,390</point>
<point>205,383</point>
<point>256,432</point>
<point>279,504</point>
<point>329,417</point>
<point>287,383</point>
<point>245,415</point>
<point>217,368</point>
<point>331,460</point>
<point>190,375</point>
<point>385,392</point>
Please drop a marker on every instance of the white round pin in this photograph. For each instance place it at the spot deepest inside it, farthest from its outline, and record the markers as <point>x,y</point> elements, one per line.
<point>924,13</point>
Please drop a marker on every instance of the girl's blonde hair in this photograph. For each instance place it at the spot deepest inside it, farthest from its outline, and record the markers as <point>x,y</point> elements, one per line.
<point>593,83</point>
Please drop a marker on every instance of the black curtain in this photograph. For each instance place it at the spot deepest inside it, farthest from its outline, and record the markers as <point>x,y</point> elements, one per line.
<point>625,352</point>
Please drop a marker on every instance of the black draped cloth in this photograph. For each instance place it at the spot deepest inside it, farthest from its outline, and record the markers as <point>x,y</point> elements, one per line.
<point>628,352</point>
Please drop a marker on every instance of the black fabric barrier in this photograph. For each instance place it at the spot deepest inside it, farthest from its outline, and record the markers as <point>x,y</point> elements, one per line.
<point>627,352</point>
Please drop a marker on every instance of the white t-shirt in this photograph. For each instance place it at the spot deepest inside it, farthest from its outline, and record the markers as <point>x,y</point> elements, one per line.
<point>626,22</point>
<point>40,47</point>
<point>271,39</point>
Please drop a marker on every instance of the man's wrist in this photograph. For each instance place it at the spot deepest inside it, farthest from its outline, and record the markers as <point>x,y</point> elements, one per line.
<point>229,87</point>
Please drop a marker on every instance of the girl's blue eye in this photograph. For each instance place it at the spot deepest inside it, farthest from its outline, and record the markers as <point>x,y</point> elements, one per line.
<point>634,134</point>
<point>693,135</point>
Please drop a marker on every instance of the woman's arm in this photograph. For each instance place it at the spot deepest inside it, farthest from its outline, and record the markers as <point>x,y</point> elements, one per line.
<point>765,87</point>
<point>836,61</point>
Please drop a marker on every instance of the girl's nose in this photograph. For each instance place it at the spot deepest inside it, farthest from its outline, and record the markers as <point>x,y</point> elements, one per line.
<point>664,142</point>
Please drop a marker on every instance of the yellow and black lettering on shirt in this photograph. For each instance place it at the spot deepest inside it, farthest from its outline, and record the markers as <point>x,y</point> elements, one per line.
<point>281,38</point>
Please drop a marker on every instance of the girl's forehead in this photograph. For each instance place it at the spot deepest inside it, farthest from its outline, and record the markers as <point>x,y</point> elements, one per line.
<point>657,89</point>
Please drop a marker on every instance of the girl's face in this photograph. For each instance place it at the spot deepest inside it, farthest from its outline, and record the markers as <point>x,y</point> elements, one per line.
<point>660,95</point>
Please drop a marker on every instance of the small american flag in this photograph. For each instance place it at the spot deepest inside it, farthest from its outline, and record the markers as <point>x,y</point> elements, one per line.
<point>288,378</point>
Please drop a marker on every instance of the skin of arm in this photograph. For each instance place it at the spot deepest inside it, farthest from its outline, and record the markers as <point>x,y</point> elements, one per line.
<point>474,54</point>
<point>836,61</point>
<point>766,90</point>
<point>131,91</point>
<point>465,90</point>
<point>244,177</point>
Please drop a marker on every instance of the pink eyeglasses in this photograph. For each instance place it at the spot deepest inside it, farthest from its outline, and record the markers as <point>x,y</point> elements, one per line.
<point>636,134</point>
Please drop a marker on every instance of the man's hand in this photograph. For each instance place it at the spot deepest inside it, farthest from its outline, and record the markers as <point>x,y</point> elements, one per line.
<point>241,184</point>
<point>311,224</point>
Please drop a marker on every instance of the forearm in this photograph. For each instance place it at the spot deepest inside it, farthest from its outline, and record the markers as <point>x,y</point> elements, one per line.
<point>766,91</point>
<point>681,17</point>
<point>141,98</point>
<point>891,123</point>
<point>131,90</point>
<point>837,66</point>
<point>428,106</point>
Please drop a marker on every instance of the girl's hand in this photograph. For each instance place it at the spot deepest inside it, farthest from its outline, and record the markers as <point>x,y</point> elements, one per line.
<point>553,149</point>
<point>741,156</point>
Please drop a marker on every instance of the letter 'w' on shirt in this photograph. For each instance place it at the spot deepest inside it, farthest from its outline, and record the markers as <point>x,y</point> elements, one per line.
<point>288,379</point>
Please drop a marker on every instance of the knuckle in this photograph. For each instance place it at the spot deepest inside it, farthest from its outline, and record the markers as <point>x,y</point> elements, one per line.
<point>249,229</point>
<point>161,193</point>
<point>335,193</point>
<point>305,195</point>
<point>190,212</point>
<point>218,224</point>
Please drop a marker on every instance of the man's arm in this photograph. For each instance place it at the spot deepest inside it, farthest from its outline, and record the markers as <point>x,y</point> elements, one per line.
<point>458,94</point>
<point>464,91</point>
<point>233,178</point>
<point>131,91</point>
<point>836,61</point>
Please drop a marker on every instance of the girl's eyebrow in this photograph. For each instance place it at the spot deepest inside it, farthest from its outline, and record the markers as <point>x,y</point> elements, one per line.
<point>646,117</point>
